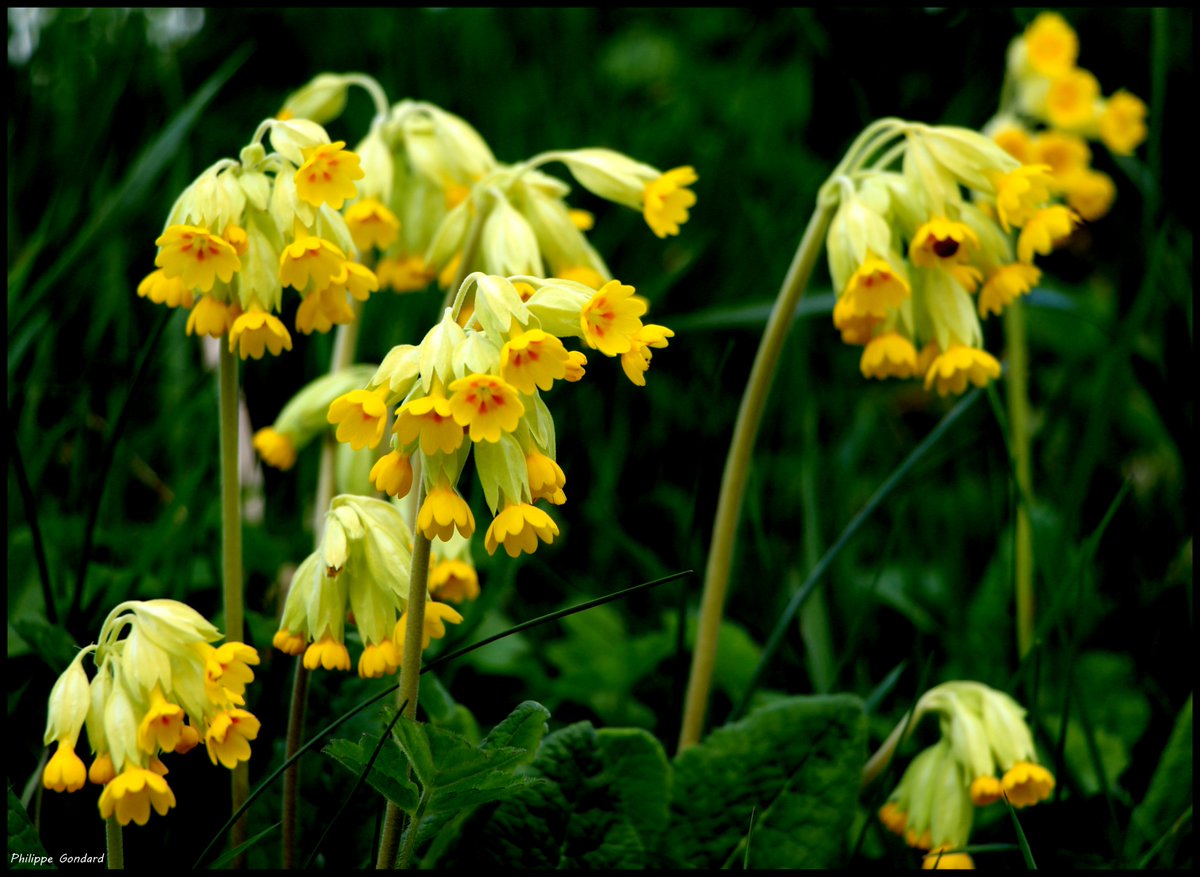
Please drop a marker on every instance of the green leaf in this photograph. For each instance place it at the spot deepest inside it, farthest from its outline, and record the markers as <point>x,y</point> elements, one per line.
<point>25,850</point>
<point>795,764</point>
<point>1170,791</point>
<point>388,773</point>
<point>638,759</point>
<point>523,729</point>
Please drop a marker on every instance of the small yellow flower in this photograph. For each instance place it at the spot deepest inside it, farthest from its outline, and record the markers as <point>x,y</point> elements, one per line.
<point>1123,123</point>
<point>275,448</point>
<point>487,405</point>
<point>580,274</point>
<point>228,667</point>
<point>64,772</point>
<point>328,174</point>
<point>1090,193</point>
<point>372,224</point>
<point>454,581</point>
<point>323,309</point>
<point>287,642</point>
<point>518,528</point>
<point>360,416</point>
<point>986,790</point>
<point>310,258</point>
<point>940,860</point>
<point>430,419</point>
<point>102,770</point>
<point>257,331</point>
<point>378,660</point>
<point>546,478</point>
<point>856,327</point>
<point>611,318</point>
<point>533,359</point>
<point>1015,140</point>
<point>942,242</point>
<point>1071,100</point>
<point>443,512</point>
<point>951,371</point>
<point>164,290</point>
<point>393,474</point>
<point>189,739</point>
<point>328,653</point>
<point>1051,45</point>
<point>407,274</point>
<point>893,818</point>
<point>1005,285</point>
<point>196,256</point>
<point>131,794</point>
<point>888,356</point>
<point>636,362</point>
<point>237,238</point>
<point>1044,231</point>
<point>1064,154</point>
<point>875,288</point>
<point>162,725</point>
<point>575,366</point>
<point>1020,193</point>
<point>1026,784</point>
<point>358,280</point>
<point>229,735</point>
<point>436,616</point>
<point>582,219</point>
<point>211,317</point>
<point>666,201</point>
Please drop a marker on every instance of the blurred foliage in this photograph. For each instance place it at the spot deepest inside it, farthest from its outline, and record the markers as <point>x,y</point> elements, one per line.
<point>112,112</point>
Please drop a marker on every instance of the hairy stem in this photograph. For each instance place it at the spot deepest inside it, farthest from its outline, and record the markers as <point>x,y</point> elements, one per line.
<point>1018,420</point>
<point>114,845</point>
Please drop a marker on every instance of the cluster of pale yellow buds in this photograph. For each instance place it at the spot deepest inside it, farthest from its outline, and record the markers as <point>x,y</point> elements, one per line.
<point>247,228</point>
<point>985,754</point>
<point>160,687</point>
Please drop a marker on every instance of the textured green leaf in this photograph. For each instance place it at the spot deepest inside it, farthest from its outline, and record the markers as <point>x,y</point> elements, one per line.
<point>388,773</point>
<point>795,764</point>
<point>1170,792</point>
<point>524,728</point>
<point>637,759</point>
<point>25,850</point>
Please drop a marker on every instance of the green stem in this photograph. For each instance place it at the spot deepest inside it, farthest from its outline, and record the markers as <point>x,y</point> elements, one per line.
<point>1018,419</point>
<point>231,547</point>
<point>737,466</point>
<point>114,844</point>
<point>410,839</point>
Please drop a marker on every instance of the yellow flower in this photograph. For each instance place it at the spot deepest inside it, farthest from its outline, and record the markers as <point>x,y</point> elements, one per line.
<point>360,417</point>
<point>131,794</point>
<point>1123,123</point>
<point>64,772</point>
<point>986,790</point>
<point>358,280</point>
<point>162,725</point>
<point>580,274</point>
<point>952,369</point>
<point>575,366</point>
<point>893,818</point>
<point>939,860</point>
<point>611,318</point>
<point>393,474</point>
<point>256,331</point>
<point>1048,227</point>
<point>636,362</point>
<point>229,735</point>
<point>518,528</point>
<point>372,224</point>
<point>533,359</point>
<point>436,616</point>
<point>1005,285</point>
<point>275,448</point>
<point>164,290</point>
<point>287,642</point>
<point>328,174</point>
<point>546,478</point>
<point>889,356</point>
<point>454,581</point>
<point>1020,193</point>
<point>1026,783</point>
<point>328,653</point>
<point>1015,140</point>
<point>1090,193</point>
<point>378,660</point>
<point>102,770</point>
<point>875,288</point>
<point>196,256</point>
<point>443,512</point>
<point>1064,153</point>
<point>408,274</point>
<point>666,201</point>
<point>487,405</point>
<point>429,418</point>
<point>856,328</point>
<point>1071,100</point>
<point>189,739</point>
<point>323,309</point>
<point>228,667</point>
<point>237,238</point>
<point>940,241</point>
<point>211,317</point>
<point>582,219</point>
<point>1050,45</point>
<point>307,259</point>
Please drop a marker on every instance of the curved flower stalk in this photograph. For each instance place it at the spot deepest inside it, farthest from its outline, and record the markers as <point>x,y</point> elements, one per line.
<point>247,228</point>
<point>161,686</point>
<point>480,389</point>
<point>985,754</point>
<point>430,175</point>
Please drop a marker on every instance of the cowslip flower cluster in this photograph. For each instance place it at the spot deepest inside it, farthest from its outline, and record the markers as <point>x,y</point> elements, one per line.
<point>248,227</point>
<point>362,566</point>
<point>985,754</point>
<point>161,686</point>
<point>478,388</point>
<point>907,251</point>
<point>303,417</point>
<point>429,173</point>
<point>1050,109</point>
